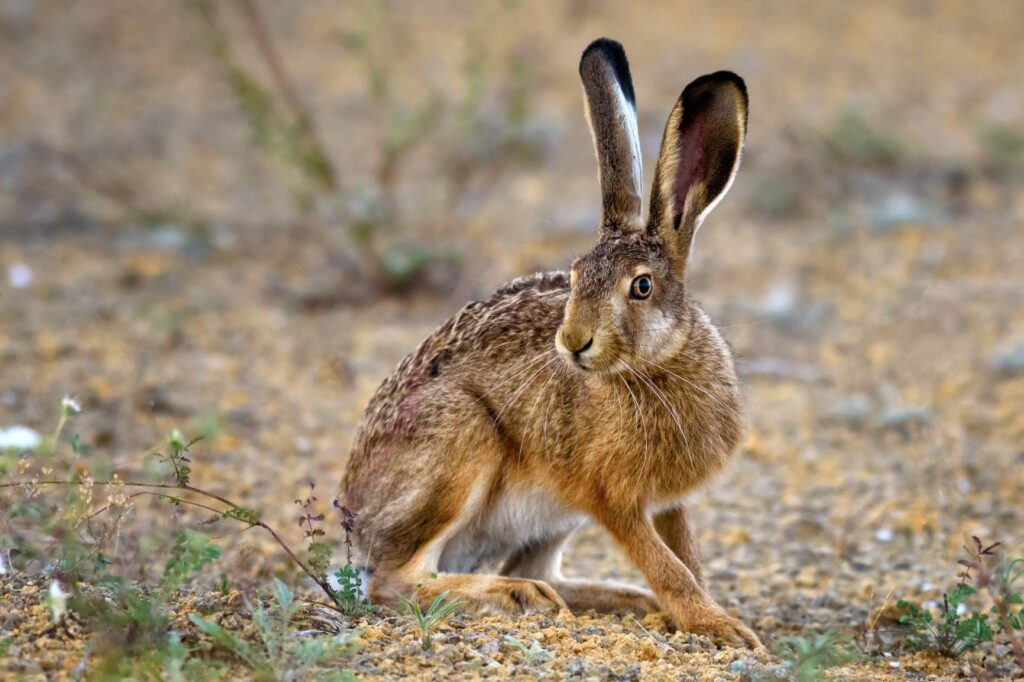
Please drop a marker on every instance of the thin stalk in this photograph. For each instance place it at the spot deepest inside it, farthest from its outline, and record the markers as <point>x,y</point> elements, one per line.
<point>198,491</point>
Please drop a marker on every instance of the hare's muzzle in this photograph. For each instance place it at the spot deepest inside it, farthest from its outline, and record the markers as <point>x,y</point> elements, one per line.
<point>573,342</point>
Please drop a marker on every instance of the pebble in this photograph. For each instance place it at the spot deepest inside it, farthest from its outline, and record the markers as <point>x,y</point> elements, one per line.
<point>905,418</point>
<point>1010,363</point>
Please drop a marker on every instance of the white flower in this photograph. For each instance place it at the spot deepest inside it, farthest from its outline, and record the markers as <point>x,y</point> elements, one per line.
<point>5,559</point>
<point>19,438</point>
<point>57,601</point>
<point>70,406</point>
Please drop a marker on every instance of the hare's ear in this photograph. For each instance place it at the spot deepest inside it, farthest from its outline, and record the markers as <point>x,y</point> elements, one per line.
<point>699,157</point>
<point>610,105</point>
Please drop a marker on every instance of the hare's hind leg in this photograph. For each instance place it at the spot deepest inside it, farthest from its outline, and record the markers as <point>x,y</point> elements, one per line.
<point>542,560</point>
<point>418,576</point>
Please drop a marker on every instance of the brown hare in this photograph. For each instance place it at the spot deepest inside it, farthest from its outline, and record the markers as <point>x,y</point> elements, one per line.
<point>600,394</point>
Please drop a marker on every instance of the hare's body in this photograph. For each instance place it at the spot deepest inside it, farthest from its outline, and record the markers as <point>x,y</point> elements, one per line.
<point>604,393</point>
<point>543,441</point>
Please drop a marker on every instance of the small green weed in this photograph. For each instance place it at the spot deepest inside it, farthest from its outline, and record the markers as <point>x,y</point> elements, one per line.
<point>808,657</point>
<point>279,654</point>
<point>177,665</point>
<point>532,654</point>
<point>435,614</point>
<point>951,633</point>
<point>955,630</point>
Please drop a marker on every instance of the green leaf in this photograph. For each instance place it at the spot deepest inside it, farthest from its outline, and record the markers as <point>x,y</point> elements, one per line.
<point>243,514</point>
<point>319,558</point>
<point>76,445</point>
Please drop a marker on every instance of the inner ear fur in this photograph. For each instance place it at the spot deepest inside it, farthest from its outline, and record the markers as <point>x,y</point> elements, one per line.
<point>700,154</point>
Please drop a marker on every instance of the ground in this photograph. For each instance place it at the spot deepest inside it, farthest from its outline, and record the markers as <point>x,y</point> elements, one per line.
<point>867,268</point>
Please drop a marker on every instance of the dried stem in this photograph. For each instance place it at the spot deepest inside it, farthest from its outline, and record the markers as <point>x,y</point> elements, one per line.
<point>198,491</point>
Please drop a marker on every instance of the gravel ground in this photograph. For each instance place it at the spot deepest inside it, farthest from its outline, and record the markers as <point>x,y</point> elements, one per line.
<point>877,319</point>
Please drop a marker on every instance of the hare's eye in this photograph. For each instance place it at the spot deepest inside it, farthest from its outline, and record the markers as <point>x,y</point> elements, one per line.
<point>641,287</point>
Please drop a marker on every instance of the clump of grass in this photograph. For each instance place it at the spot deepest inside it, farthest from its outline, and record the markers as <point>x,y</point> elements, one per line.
<point>808,657</point>
<point>279,654</point>
<point>436,613</point>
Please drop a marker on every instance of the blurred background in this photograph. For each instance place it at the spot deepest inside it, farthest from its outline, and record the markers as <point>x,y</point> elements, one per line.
<point>235,218</point>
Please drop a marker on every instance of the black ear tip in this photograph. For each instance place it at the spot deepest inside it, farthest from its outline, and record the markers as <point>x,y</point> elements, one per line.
<point>612,53</point>
<point>606,46</point>
<point>715,83</point>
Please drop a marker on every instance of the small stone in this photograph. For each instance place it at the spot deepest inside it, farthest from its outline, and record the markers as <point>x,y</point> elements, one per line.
<point>1010,362</point>
<point>851,410</point>
<point>905,418</point>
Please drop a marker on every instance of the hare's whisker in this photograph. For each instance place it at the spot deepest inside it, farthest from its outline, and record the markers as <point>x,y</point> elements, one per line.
<point>529,418</point>
<point>522,387</point>
<point>715,399</point>
<point>660,395</point>
<point>547,412</point>
<point>516,372</point>
<point>639,412</point>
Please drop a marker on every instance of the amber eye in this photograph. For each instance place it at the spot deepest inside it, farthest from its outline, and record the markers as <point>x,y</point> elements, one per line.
<point>641,287</point>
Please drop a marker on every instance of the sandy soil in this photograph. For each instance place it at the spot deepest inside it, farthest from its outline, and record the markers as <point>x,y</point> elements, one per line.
<point>876,314</point>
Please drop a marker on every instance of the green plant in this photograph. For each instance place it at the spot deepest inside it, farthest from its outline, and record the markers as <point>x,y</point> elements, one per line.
<point>808,657</point>
<point>137,638</point>
<point>279,654</point>
<point>854,139</point>
<point>348,596</point>
<point>178,665</point>
<point>997,574</point>
<point>532,654</point>
<point>950,634</point>
<point>435,614</point>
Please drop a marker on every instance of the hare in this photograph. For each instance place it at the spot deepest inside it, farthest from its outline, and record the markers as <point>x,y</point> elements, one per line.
<point>600,394</point>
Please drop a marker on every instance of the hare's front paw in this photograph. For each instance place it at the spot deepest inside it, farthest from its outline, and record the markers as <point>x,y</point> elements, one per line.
<point>713,622</point>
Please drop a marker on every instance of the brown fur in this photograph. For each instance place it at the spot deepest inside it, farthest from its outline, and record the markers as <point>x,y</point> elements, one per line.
<point>488,446</point>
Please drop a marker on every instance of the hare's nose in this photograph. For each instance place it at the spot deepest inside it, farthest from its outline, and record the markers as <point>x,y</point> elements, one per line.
<point>584,348</point>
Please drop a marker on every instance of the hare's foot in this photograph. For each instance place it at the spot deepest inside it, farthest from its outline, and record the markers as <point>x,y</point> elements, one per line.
<point>479,593</point>
<point>713,622</point>
<point>586,595</point>
<point>541,560</point>
<point>678,590</point>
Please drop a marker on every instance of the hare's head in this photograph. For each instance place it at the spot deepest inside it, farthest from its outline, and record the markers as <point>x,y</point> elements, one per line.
<point>628,295</point>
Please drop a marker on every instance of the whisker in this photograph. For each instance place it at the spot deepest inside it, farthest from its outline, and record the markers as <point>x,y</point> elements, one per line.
<point>715,399</point>
<point>529,418</point>
<point>526,384</point>
<point>660,395</point>
<point>517,371</point>
<point>643,422</point>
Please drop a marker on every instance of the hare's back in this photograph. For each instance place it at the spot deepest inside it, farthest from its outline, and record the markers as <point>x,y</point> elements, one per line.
<point>517,322</point>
